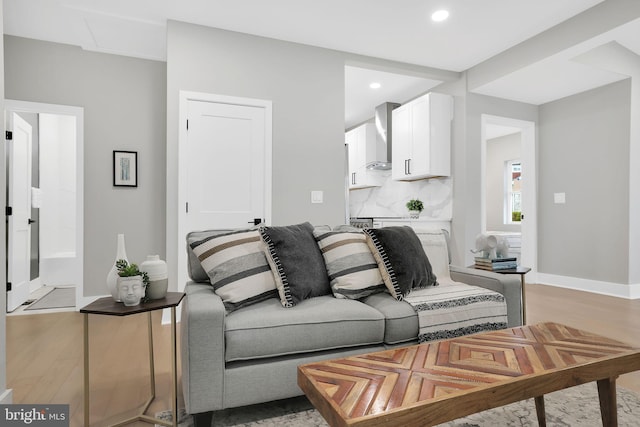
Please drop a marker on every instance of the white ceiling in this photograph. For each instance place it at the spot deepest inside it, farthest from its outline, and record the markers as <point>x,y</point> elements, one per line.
<point>401,31</point>
<point>360,99</point>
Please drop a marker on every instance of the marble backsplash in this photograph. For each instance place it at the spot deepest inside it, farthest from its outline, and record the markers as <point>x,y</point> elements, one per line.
<point>390,199</point>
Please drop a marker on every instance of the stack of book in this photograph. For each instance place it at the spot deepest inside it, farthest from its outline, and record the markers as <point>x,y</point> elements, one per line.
<point>494,264</point>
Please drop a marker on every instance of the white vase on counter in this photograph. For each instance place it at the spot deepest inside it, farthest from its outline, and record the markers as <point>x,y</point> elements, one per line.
<point>112,276</point>
<point>156,269</point>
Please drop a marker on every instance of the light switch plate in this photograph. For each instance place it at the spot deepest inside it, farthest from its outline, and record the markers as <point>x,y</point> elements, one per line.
<point>558,198</point>
<point>317,196</point>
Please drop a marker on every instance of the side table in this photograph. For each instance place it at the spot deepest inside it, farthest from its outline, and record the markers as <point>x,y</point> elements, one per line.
<point>107,306</point>
<point>521,271</point>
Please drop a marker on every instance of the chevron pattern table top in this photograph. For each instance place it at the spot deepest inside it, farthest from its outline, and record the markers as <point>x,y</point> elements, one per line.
<point>435,382</point>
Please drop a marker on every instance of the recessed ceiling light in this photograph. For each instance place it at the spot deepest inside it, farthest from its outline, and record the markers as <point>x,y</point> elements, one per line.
<point>375,85</point>
<point>440,15</point>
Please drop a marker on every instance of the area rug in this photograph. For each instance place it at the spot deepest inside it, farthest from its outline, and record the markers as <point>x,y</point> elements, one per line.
<point>577,406</point>
<point>57,298</point>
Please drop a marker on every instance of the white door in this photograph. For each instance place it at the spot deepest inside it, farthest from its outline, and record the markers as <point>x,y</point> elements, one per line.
<point>224,166</point>
<point>226,172</point>
<point>19,199</point>
<point>529,224</point>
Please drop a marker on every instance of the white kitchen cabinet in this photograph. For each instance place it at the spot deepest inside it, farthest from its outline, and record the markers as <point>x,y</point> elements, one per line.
<point>363,149</point>
<point>422,138</point>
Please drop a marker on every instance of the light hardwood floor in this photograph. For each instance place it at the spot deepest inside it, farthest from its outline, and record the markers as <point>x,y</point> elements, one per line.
<point>44,352</point>
<point>45,364</point>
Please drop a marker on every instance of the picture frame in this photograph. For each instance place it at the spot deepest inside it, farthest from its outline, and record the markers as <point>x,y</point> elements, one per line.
<point>125,168</point>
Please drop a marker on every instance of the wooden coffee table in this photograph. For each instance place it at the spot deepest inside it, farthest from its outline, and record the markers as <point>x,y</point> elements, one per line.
<point>436,382</point>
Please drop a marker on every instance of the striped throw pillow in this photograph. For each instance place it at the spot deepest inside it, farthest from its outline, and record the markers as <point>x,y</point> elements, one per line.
<point>237,267</point>
<point>353,272</point>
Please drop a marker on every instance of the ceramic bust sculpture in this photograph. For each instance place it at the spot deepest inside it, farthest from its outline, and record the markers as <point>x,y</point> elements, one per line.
<point>130,290</point>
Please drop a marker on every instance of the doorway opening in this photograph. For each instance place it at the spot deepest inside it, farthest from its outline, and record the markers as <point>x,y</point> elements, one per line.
<point>53,199</point>
<point>508,185</point>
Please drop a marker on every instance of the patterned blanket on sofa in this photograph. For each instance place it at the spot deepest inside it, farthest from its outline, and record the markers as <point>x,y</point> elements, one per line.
<point>454,309</point>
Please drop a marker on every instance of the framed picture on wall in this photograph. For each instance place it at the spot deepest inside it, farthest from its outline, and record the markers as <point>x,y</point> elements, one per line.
<point>125,168</point>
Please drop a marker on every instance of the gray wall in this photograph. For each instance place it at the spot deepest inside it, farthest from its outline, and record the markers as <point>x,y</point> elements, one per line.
<point>458,246</point>
<point>467,220</point>
<point>124,103</point>
<point>499,151</point>
<point>3,254</point>
<point>584,152</point>
<point>306,86</point>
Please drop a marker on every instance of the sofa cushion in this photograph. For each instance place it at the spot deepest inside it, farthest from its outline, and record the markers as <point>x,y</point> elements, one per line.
<point>196,272</point>
<point>401,320</point>
<point>267,329</point>
<point>455,309</point>
<point>402,261</point>
<point>296,261</point>
<point>237,267</point>
<point>353,272</point>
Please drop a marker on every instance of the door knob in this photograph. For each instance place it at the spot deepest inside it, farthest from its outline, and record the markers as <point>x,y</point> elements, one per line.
<point>31,221</point>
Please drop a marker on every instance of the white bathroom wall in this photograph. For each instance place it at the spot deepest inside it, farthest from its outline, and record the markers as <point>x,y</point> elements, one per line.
<point>58,252</point>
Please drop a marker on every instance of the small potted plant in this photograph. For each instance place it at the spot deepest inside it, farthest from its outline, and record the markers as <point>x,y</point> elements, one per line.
<point>415,206</point>
<point>131,283</point>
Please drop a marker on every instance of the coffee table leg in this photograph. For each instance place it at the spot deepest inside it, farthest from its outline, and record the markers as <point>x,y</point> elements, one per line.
<point>540,412</point>
<point>608,402</point>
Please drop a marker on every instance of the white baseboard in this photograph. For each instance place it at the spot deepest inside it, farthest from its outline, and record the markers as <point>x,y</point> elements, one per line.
<point>631,291</point>
<point>6,398</point>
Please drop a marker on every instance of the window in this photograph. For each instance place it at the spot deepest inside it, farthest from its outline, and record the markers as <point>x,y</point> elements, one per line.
<point>513,194</point>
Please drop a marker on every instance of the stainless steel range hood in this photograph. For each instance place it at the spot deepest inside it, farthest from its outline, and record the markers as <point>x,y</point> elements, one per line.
<point>383,124</point>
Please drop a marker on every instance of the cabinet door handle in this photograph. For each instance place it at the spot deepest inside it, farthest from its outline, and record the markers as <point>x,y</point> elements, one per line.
<point>353,178</point>
<point>408,166</point>
<point>405,166</point>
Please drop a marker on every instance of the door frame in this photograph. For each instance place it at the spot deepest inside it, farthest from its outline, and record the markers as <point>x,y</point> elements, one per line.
<point>529,227</point>
<point>184,98</point>
<point>78,112</point>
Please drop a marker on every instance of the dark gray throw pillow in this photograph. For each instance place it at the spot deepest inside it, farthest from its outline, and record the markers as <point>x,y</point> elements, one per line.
<point>296,261</point>
<point>401,259</point>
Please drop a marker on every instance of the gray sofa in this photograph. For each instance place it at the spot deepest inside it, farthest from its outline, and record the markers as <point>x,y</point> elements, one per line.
<point>250,355</point>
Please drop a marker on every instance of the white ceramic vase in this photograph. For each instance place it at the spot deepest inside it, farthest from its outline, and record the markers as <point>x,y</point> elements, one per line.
<point>112,277</point>
<point>156,269</point>
<point>130,290</point>
<point>414,214</point>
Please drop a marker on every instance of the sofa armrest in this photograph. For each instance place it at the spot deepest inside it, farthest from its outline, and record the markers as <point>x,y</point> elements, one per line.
<point>202,348</point>
<point>508,285</point>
